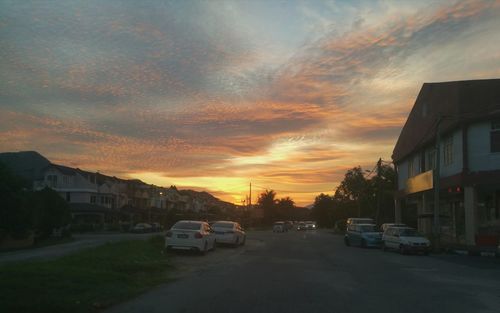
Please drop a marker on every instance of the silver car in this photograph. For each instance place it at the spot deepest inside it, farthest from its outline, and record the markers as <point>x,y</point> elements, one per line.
<point>229,232</point>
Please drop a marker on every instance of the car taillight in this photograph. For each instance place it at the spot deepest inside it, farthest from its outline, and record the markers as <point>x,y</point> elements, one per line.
<point>168,234</point>
<point>198,235</point>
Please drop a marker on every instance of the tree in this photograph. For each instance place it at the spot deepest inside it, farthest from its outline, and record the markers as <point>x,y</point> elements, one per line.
<point>322,210</point>
<point>14,211</point>
<point>50,211</point>
<point>267,203</point>
<point>285,207</point>
<point>384,184</point>
<point>356,188</point>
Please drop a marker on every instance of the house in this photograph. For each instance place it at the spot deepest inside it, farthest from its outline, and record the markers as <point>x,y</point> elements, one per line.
<point>465,117</point>
<point>92,197</point>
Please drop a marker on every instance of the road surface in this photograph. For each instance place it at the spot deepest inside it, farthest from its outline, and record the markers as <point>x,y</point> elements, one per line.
<point>314,272</point>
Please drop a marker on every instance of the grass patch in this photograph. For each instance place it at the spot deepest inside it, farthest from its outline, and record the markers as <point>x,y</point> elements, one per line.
<point>86,281</point>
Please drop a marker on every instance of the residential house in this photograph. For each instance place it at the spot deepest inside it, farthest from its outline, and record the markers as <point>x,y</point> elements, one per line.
<point>465,115</point>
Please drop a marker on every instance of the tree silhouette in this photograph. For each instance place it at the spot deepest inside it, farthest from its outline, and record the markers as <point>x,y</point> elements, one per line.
<point>268,203</point>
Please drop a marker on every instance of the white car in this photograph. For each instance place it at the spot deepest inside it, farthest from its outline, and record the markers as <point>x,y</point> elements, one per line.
<point>191,235</point>
<point>229,232</point>
<point>142,228</point>
<point>405,239</point>
<point>384,226</point>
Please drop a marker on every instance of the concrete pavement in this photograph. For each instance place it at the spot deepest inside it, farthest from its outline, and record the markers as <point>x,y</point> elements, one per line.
<point>315,272</point>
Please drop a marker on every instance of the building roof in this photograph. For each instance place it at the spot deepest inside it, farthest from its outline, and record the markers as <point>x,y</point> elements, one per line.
<point>66,170</point>
<point>458,103</point>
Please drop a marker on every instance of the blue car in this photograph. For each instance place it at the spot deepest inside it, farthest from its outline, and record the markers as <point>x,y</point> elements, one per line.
<point>363,235</point>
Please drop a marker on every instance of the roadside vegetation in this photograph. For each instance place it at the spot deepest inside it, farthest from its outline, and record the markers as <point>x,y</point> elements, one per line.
<point>25,213</point>
<point>362,193</point>
<point>87,281</point>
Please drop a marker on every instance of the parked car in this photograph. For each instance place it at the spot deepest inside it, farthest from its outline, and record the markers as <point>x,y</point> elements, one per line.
<point>279,227</point>
<point>142,228</point>
<point>288,225</point>
<point>156,227</point>
<point>191,235</point>
<point>301,226</point>
<point>384,226</point>
<point>359,220</point>
<point>229,232</point>
<point>363,235</point>
<point>405,240</point>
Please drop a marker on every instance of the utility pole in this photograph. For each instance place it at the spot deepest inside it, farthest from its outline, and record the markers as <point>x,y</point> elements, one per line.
<point>379,185</point>
<point>437,177</point>
<point>250,198</point>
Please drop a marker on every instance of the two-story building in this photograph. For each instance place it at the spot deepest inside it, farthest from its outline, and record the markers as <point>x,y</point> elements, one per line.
<point>465,117</point>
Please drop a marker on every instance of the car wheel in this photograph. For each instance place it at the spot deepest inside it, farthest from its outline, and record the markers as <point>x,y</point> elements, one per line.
<point>346,241</point>
<point>205,249</point>
<point>402,249</point>
<point>237,242</point>
<point>244,240</point>
<point>214,245</point>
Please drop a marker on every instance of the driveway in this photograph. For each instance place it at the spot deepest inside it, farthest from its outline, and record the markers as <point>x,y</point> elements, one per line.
<point>315,272</point>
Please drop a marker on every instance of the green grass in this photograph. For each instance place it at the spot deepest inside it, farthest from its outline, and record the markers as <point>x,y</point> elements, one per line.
<point>43,243</point>
<point>85,281</point>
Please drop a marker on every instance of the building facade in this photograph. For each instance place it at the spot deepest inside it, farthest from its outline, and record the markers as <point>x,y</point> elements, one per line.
<point>464,117</point>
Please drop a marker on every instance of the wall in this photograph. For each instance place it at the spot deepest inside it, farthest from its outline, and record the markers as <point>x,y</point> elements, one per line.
<point>480,157</point>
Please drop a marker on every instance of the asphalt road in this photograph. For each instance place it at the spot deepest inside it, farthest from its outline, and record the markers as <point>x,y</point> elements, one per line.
<point>315,272</point>
<point>82,241</point>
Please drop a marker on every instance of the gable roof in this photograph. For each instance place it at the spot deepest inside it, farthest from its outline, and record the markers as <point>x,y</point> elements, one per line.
<point>458,102</point>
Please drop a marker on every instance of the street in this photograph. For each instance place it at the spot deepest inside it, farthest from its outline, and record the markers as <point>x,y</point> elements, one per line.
<point>314,272</point>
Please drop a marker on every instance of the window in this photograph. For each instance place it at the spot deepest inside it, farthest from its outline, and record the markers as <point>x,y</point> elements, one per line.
<point>52,180</point>
<point>411,168</point>
<point>448,151</point>
<point>65,180</point>
<point>495,137</point>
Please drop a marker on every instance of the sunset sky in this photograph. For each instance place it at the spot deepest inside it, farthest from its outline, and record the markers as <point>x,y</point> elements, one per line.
<point>211,95</point>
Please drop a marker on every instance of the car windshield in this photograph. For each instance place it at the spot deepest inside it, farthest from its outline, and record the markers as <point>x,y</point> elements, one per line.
<point>367,228</point>
<point>187,225</point>
<point>409,233</point>
<point>223,225</point>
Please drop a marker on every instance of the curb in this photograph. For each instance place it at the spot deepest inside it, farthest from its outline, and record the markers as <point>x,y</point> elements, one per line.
<point>489,254</point>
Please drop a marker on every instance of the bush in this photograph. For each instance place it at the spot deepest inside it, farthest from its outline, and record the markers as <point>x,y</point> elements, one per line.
<point>50,211</point>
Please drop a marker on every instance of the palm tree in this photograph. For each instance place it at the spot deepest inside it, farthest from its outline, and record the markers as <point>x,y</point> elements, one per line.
<point>267,203</point>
